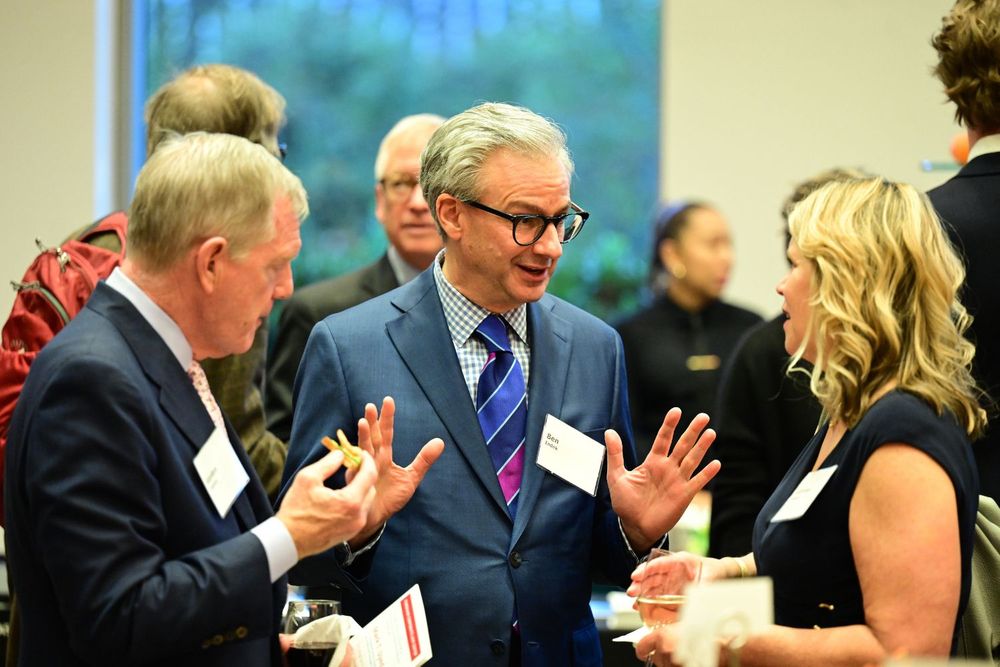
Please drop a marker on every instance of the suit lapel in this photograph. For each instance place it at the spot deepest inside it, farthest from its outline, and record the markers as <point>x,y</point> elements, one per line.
<point>421,328</point>
<point>178,397</point>
<point>550,338</point>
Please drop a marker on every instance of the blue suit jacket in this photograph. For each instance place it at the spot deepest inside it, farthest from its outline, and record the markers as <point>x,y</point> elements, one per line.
<point>455,538</point>
<point>969,206</point>
<point>116,552</point>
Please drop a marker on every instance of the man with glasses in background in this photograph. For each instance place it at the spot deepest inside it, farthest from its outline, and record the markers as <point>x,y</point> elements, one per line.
<point>413,243</point>
<point>474,351</point>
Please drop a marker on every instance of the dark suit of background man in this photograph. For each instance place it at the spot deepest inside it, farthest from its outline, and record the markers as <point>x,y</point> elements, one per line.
<point>968,49</point>
<point>505,573</point>
<point>118,553</point>
<point>413,241</point>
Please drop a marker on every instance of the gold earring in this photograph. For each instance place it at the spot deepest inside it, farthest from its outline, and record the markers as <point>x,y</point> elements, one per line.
<point>678,271</point>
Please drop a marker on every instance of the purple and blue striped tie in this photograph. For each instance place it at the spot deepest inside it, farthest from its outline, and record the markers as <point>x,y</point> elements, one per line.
<point>502,407</point>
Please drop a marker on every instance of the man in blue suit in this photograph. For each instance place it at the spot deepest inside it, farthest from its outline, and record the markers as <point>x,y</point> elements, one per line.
<point>503,550</point>
<point>969,203</point>
<point>137,530</point>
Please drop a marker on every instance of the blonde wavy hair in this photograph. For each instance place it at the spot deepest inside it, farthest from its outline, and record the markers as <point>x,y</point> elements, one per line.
<point>884,301</point>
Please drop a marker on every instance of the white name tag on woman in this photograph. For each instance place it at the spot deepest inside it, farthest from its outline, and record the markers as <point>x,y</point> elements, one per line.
<point>803,495</point>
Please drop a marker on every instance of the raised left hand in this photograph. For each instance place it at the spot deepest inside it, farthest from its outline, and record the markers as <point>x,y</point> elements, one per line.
<point>651,498</point>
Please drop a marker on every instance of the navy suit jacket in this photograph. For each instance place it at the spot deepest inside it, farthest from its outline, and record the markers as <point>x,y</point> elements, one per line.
<point>116,553</point>
<point>455,537</point>
<point>969,206</point>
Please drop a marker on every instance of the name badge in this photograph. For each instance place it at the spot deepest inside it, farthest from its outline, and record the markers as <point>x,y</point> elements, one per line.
<point>570,455</point>
<point>803,495</point>
<point>221,472</point>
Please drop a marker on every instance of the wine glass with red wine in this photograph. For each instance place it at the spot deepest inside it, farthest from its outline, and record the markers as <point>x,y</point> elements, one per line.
<point>315,653</point>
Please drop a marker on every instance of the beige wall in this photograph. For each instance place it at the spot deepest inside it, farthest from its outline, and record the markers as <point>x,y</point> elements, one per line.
<point>758,95</point>
<point>47,127</point>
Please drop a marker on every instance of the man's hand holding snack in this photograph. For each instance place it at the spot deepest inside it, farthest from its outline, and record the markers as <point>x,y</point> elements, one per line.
<point>318,517</point>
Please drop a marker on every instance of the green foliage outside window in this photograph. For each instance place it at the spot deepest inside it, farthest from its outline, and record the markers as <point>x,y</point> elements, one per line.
<point>350,69</point>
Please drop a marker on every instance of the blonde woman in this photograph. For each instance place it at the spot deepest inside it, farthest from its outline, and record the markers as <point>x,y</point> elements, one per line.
<point>879,562</point>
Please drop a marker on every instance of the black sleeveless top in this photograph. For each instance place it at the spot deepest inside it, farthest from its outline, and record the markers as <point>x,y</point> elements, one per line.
<point>810,558</point>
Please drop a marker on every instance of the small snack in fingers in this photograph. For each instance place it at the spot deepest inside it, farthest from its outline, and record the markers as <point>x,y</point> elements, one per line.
<point>352,453</point>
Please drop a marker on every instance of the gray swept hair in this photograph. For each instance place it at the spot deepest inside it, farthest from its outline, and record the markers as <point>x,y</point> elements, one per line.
<point>456,152</point>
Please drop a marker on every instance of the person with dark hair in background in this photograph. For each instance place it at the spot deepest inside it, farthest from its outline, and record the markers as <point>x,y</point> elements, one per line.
<point>675,347</point>
<point>413,243</point>
<point>968,48</point>
<point>764,416</point>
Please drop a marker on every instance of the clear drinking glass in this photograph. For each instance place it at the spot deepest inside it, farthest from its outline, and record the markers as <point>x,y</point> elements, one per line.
<point>300,613</point>
<point>661,591</point>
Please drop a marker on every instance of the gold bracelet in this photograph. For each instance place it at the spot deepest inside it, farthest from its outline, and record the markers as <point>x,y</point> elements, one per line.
<point>744,570</point>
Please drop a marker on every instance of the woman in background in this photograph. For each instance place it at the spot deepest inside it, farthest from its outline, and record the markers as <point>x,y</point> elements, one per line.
<point>675,347</point>
<point>879,562</point>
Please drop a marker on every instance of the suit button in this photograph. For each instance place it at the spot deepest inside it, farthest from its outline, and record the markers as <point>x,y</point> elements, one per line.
<point>241,632</point>
<point>497,647</point>
<point>218,639</point>
<point>515,559</point>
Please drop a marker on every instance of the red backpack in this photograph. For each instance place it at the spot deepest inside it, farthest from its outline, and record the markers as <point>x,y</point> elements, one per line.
<point>53,290</point>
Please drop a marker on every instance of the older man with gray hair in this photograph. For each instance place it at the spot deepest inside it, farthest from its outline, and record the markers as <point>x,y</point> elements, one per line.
<point>137,529</point>
<point>475,351</point>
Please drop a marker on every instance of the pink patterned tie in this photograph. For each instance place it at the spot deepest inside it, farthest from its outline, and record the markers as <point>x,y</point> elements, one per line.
<point>197,375</point>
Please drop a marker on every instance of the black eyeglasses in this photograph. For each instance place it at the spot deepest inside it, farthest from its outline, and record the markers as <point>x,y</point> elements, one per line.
<point>527,229</point>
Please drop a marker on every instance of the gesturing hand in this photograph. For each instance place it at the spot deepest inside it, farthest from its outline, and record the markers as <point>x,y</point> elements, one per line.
<point>396,484</point>
<point>651,498</point>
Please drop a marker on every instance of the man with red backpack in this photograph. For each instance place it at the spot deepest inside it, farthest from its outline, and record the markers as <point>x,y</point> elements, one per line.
<point>206,98</point>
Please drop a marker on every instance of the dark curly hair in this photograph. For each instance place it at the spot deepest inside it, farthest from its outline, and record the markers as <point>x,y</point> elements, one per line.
<point>968,49</point>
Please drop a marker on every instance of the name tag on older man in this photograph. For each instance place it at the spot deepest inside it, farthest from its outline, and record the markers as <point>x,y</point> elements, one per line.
<point>571,455</point>
<point>803,495</point>
<point>221,472</point>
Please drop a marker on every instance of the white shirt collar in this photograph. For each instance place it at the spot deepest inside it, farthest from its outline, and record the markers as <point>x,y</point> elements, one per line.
<point>988,144</point>
<point>152,313</point>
